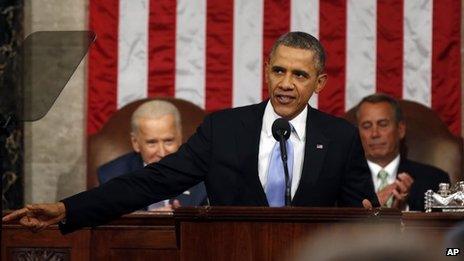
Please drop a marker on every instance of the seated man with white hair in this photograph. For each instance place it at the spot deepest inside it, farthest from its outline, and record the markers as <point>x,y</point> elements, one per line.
<point>400,182</point>
<point>156,132</point>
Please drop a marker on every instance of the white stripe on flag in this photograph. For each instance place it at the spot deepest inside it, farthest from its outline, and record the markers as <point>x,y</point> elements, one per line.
<point>417,51</point>
<point>361,50</point>
<point>304,17</point>
<point>132,51</point>
<point>247,53</point>
<point>190,51</point>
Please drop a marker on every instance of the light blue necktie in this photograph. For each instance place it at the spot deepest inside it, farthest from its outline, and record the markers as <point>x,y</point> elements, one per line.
<point>275,187</point>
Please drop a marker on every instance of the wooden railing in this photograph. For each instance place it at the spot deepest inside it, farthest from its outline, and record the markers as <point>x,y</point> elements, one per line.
<point>210,233</point>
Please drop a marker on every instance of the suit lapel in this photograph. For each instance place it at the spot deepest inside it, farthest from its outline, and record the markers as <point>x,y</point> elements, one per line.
<point>315,150</point>
<point>248,148</point>
<point>403,166</point>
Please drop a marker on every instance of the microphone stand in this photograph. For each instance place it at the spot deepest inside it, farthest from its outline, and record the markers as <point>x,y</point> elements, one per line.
<point>283,154</point>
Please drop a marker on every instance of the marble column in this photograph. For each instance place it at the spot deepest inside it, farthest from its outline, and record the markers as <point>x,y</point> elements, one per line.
<point>11,164</point>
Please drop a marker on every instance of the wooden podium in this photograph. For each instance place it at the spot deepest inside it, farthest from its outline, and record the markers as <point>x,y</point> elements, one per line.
<point>206,233</point>
<point>223,233</point>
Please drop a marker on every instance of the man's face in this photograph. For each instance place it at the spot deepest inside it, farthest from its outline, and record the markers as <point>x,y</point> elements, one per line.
<point>156,138</point>
<point>379,131</point>
<point>292,78</point>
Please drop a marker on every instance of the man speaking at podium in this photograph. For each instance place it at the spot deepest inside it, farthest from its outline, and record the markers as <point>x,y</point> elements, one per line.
<point>235,154</point>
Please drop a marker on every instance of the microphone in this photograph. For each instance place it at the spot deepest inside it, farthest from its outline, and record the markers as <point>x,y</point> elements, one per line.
<point>281,131</point>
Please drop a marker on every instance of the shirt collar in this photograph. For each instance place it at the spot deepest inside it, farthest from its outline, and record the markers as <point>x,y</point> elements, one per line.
<point>391,168</point>
<point>298,123</point>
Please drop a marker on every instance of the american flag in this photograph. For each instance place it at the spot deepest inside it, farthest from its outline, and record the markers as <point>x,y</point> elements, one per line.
<point>212,52</point>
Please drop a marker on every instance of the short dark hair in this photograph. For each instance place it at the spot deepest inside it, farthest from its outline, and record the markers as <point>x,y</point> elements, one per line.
<point>382,97</point>
<point>302,40</point>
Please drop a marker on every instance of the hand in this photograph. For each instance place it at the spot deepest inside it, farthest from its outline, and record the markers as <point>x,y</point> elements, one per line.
<point>37,217</point>
<point>401,192</point>
<point>169,207</point>
<point>384,194</point>
<point>367,204</point>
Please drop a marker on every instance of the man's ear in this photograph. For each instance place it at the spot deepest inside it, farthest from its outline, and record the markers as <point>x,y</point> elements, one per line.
<point>135,143</point>
<point>321,81</point>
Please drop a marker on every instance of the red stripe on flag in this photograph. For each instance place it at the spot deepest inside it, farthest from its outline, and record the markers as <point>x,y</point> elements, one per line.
<point>446,63</point>
<point>161,48</point>
<point>332,33</point>
<point>276,22</point>
<point>390,47</point>
<point>219,60</point>
<point>103,63</point>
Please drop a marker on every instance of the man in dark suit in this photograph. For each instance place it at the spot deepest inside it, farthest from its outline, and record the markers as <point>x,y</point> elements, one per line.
<point>156,132</point>
<point>399,182</point>
<point>234,153</point>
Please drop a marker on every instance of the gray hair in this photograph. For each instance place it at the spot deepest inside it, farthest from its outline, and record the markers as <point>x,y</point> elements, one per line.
<point>154,110</point>
<point>302,40</point>
<point>382,97</point>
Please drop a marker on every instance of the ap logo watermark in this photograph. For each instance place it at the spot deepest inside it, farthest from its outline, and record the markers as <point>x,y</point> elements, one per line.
<point>452,251</point>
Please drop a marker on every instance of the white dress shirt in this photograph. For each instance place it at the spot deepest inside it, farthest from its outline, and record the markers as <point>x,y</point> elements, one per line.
<point>391,168</point>
<point>267,142</point>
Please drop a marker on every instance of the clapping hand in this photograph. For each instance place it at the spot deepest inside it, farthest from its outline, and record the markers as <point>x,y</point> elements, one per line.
<point>399,190</point>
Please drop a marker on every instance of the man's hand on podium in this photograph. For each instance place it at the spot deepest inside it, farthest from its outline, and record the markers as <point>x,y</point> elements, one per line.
<point>367,204</point>
<point>37,217</point>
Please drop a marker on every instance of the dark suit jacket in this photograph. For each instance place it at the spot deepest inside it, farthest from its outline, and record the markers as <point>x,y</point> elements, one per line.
<point>224,154</point>
<point>127,163</point>
<point>425,177</point>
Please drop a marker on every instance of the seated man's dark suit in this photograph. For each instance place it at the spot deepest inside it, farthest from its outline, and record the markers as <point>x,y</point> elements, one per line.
<point>224,154</point>
<point>425,177</point>
<point>195,196</point>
